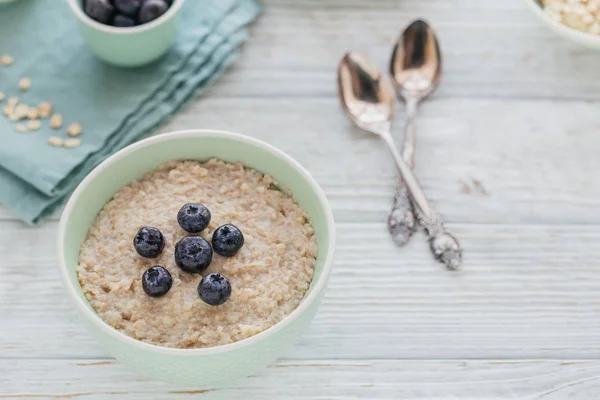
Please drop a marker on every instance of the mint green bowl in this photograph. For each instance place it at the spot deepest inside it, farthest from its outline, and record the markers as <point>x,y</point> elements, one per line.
<point>133,46</point>
<point>198,367</point>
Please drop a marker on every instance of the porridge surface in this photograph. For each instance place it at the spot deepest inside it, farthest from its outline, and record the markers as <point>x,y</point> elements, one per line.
<point>269,275</point>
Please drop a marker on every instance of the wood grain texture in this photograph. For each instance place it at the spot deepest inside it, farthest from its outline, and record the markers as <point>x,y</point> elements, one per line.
<point>507,149</point>
<point>533,170</point>
<point>530,167</point>
<point>491,49</point>
<point>526,291</point>
<point>314,379</point>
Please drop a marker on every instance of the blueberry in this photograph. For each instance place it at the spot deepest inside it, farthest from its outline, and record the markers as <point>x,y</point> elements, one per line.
<point>123,21</point>
<point>214,289</point>
<point>152,9</point>
<point>193,254</point>
<point>128,7</point>
<point>100,10</point>
<point>156,281</point>
<point>193,218</point>
<point>227,240</point>
<point>149,242</point>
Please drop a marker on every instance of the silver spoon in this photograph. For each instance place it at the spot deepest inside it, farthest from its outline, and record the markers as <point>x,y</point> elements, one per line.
<point>415,67</point>
<point>368,99</point>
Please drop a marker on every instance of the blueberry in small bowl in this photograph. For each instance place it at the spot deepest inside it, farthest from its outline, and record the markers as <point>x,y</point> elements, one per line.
<point>123,20</point>
<point>128,7</point>
<point>151,10</point>
<point>128,33</point>
<point>134,12</point>
<point>100,10</point>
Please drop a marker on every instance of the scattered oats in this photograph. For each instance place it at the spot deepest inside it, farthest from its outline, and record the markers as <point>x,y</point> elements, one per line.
<point>24,83</point>
<point>13,117</point>
<point>33,113</point>
<point>21,128</point>
<point>6,60</point>
<point>73,142</point>
<point>74,129</point>
<point>8,110</point>
<point>21,110</point>
<point>55,141</point>
<point>56,121</point>
<point>12,101</point>
<point>45,109</point>
<point>1,96</point>
<point>33,125</point>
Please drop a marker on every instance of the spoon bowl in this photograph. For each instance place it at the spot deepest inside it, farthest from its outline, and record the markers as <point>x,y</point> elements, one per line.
<point>416,64</point>
<point>365,95</point>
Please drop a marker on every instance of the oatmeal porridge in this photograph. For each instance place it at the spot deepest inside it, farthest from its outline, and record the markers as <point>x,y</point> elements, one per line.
<point>268,276</point>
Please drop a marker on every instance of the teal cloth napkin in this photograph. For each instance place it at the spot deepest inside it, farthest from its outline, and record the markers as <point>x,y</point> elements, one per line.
<point>115,106</point>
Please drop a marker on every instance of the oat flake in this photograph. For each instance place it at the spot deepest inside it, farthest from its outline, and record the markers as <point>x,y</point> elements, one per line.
<point>55,141</point>
<point>33,113</point>
<point>6,60</point>
<point>56,121</point>
<point>33,125</point>
<point>73,142</point>
<point>45,109</point>
<point>25,84</point>
<point>74,129</point>
<point>21,110</point>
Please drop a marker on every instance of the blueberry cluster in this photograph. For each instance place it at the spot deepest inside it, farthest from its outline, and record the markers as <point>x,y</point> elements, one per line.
<point>193,254</point>
<point>125,13</point>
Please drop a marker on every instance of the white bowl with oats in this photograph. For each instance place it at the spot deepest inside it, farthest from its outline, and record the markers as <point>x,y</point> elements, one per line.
<point>277,274</point>
<point>576,20</point>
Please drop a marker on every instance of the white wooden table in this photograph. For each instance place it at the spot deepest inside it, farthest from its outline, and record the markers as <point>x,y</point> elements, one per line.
<point>518,111</point>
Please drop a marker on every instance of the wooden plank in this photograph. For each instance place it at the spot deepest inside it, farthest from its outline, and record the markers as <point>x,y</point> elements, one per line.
<point>526,291</point>
<point>536,160</point>
<point>291,379</point>
<point>491,49</point>
<point>530,283</point>
<point>533,169</point>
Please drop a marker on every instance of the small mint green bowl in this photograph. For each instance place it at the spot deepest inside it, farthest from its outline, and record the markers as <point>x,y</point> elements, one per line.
<point>213,366</point>
<point>132,46</point>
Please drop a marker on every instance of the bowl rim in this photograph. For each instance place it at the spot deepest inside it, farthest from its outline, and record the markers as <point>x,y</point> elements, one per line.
<point>99,323</point>
<point>77,9</point>
<point>572,33</point>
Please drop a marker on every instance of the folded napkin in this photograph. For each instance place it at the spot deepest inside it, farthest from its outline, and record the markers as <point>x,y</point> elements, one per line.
<point>115,106</point>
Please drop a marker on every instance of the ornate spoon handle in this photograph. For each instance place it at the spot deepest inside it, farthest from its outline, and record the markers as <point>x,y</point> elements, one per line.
<point>444,246</point>
<point>401,220</point>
